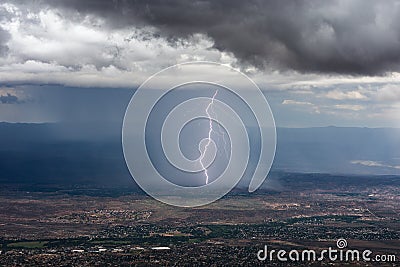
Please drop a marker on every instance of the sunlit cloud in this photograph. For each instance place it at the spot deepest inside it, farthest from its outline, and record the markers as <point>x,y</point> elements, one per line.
<point>340,95</point>
<point>371,163</point>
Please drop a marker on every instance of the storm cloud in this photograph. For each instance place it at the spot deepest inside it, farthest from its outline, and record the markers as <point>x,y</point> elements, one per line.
<point>345,37</point>
<point>317,62</point>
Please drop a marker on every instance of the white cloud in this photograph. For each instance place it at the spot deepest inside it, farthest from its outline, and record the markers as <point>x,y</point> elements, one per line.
<point>340,95</point>
<point>308,105</point>
<point>371,163</point>
<point>324,80</point>
<point>45,47</point>
<point>293,102</point>
<point>389,93</point>
<point>350,107</point>
<point>46,36</point>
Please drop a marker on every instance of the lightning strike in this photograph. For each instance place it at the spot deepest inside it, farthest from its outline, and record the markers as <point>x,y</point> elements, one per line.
<point>209,135</point>
<point>221,133</point>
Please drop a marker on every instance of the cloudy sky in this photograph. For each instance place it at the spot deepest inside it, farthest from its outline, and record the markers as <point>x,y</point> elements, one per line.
<point>318,63</point>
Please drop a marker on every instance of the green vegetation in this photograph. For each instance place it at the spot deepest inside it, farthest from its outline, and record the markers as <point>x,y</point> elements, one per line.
<point>195,240</point>
<point>111,242</point>
<point>28,245</point>
<point>321,219</point>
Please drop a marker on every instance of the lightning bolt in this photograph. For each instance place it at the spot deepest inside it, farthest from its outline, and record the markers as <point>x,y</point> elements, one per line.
<point>209,135</point>
<point>221,133</point>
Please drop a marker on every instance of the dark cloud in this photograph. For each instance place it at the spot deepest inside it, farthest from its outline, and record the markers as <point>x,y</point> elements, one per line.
<point>350,37</point>
<point>9,99</point>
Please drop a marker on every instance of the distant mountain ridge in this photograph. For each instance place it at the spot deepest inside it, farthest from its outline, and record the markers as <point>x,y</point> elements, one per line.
<point>75,153</point>
<point>345,150</point>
